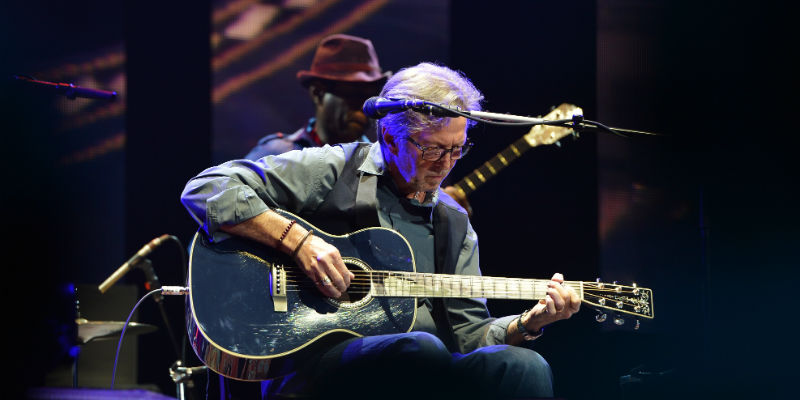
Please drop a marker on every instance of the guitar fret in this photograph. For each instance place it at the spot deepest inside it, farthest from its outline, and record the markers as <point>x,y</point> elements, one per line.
<point>469,182</point>
<point>528,290</point>
<point>513,289</point>
<point>485,171</point>
<point>509,155</point>
<point>428,284</point>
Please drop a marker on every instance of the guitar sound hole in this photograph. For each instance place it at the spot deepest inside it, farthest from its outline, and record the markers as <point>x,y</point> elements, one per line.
<point>357,295</point>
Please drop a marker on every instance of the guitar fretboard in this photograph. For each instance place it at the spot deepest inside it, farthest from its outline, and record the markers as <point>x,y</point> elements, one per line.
<point>493,166</point>
<point>414,284</point>
<point>538,135</point>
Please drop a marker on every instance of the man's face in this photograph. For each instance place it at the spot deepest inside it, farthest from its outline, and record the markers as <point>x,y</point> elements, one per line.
<point>411,172</point>
<point>339,115</point>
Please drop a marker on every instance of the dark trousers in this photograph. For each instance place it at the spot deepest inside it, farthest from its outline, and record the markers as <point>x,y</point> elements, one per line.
<point>403,366</point>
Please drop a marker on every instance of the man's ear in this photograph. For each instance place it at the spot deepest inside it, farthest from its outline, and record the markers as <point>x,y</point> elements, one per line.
<point>391,141</point>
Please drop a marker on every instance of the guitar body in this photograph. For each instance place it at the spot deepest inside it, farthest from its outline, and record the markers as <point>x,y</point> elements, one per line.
<point>238,330</point>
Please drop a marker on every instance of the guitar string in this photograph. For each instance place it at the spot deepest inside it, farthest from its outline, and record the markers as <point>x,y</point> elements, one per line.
<point>452,280</point>
<point>508,293</point>
<point>628,306</point>
<point>471,286</point>
<point>370,276</point>
<point>456,280</point>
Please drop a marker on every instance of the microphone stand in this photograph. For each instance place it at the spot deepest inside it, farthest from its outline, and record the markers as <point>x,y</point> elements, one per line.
<point>578,123</point>
<point>147,266</point>
<point>70,90</point>
<point>180,375</point>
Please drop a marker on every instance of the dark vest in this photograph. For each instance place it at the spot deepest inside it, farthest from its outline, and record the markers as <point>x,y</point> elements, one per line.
<point>352,205</point>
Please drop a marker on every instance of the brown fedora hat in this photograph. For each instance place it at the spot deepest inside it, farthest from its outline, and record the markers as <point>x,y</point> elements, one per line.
<point>344,58</point>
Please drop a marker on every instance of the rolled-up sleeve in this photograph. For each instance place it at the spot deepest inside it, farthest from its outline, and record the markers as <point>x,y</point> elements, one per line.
<point>238,190</point>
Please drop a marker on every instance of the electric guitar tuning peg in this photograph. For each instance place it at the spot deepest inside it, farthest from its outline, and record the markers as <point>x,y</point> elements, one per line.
<point>619,321</point>
<point>636,327</point>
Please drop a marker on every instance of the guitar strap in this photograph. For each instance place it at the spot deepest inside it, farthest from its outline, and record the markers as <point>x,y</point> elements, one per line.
<point>353,204</point>
<point>449,230</point>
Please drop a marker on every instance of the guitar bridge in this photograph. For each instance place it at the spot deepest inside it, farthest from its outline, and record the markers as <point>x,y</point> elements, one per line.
<point>278,288</point>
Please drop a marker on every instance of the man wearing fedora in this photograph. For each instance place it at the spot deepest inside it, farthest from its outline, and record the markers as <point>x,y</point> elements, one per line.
<point>344,73</point>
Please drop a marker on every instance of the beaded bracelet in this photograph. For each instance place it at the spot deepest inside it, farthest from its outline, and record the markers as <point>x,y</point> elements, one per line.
<point>303,240</point>
<point>286,231</point>
<point>526,334</point>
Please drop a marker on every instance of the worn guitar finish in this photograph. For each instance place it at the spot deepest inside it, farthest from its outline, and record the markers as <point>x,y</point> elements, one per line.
<point>234,326</point>
<point>249,307</point>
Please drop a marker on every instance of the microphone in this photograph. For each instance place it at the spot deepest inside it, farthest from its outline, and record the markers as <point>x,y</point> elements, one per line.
<point>72,91</point>
<point>379,107</point>
<point>124,268</point>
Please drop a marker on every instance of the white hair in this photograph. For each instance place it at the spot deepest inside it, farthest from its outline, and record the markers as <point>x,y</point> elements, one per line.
<point>431,82</point>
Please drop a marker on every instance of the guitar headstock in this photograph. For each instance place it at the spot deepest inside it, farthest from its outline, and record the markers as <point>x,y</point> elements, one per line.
<point>548,134</point>
<point>619,299</point>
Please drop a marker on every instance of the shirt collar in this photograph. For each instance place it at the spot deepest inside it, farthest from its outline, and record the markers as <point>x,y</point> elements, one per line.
<point>375,164</point>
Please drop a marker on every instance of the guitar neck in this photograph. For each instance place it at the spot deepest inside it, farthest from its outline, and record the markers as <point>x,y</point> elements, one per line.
<point>538,135</point>
<point>414,284</point>
<point>493,166</point>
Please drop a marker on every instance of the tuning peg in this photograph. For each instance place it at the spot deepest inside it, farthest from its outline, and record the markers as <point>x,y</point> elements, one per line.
<point>600,283</point>
<point>557,143</point>
<point>600,317</point>
<point>619,321</point>
<point>635,288</point>
<point>636,327</point>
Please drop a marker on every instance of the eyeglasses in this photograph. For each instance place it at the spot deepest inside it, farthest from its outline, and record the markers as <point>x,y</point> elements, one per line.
<point>435,153</point>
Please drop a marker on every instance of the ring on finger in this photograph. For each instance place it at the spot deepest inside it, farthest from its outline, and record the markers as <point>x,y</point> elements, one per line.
<point>326,281</point>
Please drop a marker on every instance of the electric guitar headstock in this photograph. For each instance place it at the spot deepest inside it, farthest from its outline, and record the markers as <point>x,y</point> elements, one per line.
<point>549,134</point>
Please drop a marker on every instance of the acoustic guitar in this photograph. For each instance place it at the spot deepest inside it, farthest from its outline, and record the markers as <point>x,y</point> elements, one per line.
<point>251,311</point>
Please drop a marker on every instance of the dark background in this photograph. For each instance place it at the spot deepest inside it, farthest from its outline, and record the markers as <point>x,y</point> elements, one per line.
<point>706,216</point>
